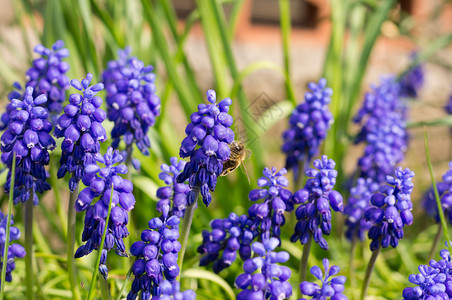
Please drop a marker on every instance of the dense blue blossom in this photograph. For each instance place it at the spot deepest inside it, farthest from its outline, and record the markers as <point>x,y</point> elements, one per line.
<point>264,220</point>
<point>47,76</point>
<point>316,200</point>
<point>171,291</point>
<point>308,126</point>
<point>391,209</point>
<point>272,280</point>
<point>412,82</point>
<point>173,194</point>
<point>433,282</point>
<point>229,236</point>
<point>208,136</point>
<point>384,130</point>
<point>331,288</point>
<point>14,250</point>
<point>445,194</point>
<point>98,182</point>
<point>28,137</point>
<point>131,100</point>
<point>157,260</point>
<point>359,201</point>
<point>448,106</point>
<point>81,127</point>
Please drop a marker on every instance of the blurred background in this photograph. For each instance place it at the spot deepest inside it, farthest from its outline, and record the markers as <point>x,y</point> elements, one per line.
<point>262,57</point>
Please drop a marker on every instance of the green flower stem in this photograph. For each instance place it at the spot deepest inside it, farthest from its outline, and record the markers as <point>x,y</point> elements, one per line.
<point>438,235</point>
<point>304,259</point>
<point>370,268</point>
<point>352,261</point>
<point>299,181</point>
<point>56,194</point>
<point>129,150</point>
<point>435,189</point>
<point>99,254</point>
<point>70,243</point>
<point>129,273</point>
<point>185,229</point>
<point>29,245</point>
<point>8,225</point>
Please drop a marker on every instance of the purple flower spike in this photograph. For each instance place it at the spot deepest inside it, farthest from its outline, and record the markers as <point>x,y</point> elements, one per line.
<point>47,76</point>
<point>98,184</point>
<point>208,136</point>
<point>131,100</point>
<point>14,250</point>
<point>173,194</point>
<point>331,287</point>
<point>383,118</point>
<point>156,268</point>
<point>433,281</point>
<point>264,220</point>
<point>271,282</point>
<point>445,194</point>
<point>81,127</point>
<point>28,137</point>
<point>317,199</point>
<point>412,82</point>
<point>309,124</point>
<point>390,210</point>
<point>359,200</point>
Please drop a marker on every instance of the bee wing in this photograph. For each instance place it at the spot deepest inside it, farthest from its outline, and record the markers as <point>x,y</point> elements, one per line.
<point>246,172</point>
<point>248,153</point>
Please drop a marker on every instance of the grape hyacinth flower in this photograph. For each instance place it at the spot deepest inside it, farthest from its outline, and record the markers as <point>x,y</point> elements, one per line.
<point>316,200</point>
<point>171,291</point>
<point>448,106</point>
<point>272,281</point>
<point>131,101</point>
<point>47,76</point>
<point>264,220</point>
<point>81,127</point>
<point>331,288</point>
<point>309,124</point>
<point>156,267</point>
<point>445,194</point>
<point>98,182</point>
<point>434,281</point>
<point>229,236</point>
<point>173,194</point>
<point>391,210</point>
<point>384,130</point>
<point>28,137</point>
<point>412,81</point>
<point>17,93</point>
<point>208,136</point>
<point>359,201</point>
<point>14,250</point>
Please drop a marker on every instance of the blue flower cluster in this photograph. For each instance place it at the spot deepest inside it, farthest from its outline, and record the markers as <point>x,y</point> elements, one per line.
<point>412,81</point>
<point>359,201</point>
<point>228,235</point>
<point>171,291</point>
<point>433,282</point>
<point>14,250</point>
<point>272,281</point>
<point>173,194</point>
<point>208,136</point>
<point>131,100</point>
<point>332,287</point>
<point>81,127</point>
<point>384,130</point>
<point>317,199</point>
<point>264,220</point>
<point>47,76</point>
<point>309,124</point>
<point>445,194</point>
<point>156,257</point>
<point>98,182</point>
<point>28,137</point>
<point>391,210</point>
